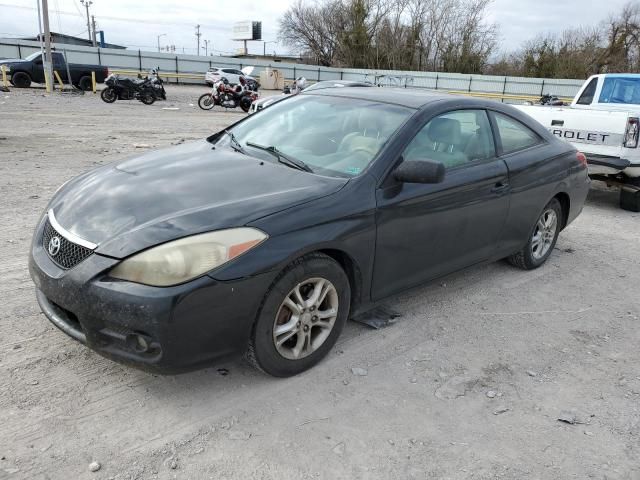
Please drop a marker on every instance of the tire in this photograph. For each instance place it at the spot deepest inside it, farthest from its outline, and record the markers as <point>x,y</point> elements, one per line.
<point>542,239</point>
<point>296,351</point>
<point>245,104</point>
<point>21,80</point>
<point>147,97</point>
<point>85,83</point>
<point>206,101</point>
<point>108,95</point>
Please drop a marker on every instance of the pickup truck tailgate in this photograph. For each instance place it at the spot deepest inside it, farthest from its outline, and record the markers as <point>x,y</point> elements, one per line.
<point>592,131</point>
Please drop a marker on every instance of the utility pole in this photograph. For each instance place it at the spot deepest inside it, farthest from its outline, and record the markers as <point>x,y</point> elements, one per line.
<point>46,61</point>
<point>86,4</point>
<point>158,36</point>
<point>93,22</point>
<point>198,34</point>
<point>206,47</point>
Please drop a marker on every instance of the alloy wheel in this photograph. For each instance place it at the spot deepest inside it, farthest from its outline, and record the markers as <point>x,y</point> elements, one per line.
<point>305,318</point>
<point>544,233</point>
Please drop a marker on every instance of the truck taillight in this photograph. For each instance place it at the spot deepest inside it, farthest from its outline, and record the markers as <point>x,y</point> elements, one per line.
<point>582,159</point>
<point>631,134</point>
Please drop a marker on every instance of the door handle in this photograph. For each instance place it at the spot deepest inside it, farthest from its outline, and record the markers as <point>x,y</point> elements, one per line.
<point>500,187</point>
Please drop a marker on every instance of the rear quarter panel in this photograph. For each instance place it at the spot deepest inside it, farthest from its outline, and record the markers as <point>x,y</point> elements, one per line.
<point>536,176</point>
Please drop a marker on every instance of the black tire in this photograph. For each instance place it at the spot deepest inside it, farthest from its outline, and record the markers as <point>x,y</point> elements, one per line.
<point>21,80</point>
<point>245,104</point>
<point>206,101</point>
<point>147,97</point>
<point>85,83</point>
<point>530,257</point>
<point>262,352</point>
<point>108,95</point>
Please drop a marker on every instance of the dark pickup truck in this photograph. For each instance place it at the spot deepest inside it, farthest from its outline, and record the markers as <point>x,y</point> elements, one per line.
<point>23,72</point>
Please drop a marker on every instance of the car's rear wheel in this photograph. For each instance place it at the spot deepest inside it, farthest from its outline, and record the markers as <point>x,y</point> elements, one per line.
<point>301,317</point>
<point>21,80</point>
<point>542,239</point>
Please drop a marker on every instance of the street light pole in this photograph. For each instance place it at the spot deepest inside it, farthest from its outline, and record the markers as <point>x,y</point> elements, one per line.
<point>86,4</point>
<point>198,34</point>
<point>206,47</point>
<point>46,61</point>
<point>161,35</point>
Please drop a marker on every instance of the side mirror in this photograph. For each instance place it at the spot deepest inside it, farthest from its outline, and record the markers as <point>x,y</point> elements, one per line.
<point>419,171</point>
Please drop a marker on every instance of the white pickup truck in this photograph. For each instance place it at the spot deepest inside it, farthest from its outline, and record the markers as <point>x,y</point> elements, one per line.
<point>603,123</point>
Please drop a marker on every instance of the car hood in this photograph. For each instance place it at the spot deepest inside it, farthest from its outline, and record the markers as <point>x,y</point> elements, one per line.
<point>167,194</point>
<point>6,61</point>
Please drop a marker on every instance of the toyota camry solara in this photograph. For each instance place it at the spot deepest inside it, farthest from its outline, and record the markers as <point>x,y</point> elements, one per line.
<point>266,237</point>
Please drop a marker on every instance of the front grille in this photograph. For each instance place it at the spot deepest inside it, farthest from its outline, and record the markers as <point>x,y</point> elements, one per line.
<point>68,254</point>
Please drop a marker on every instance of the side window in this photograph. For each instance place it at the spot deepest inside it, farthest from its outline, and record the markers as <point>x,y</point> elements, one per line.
<point>58,59</point>
<point>514,135</point>
<point>453,139</point>
<point>588,93</point>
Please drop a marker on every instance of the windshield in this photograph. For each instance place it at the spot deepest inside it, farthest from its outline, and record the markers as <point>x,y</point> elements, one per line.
<point>33,56</point>
<point>333,136</point>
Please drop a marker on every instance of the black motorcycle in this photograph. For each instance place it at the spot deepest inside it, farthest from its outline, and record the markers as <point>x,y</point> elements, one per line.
<point>123,88</point>
<point>158,84</point>
<point>551,100</point>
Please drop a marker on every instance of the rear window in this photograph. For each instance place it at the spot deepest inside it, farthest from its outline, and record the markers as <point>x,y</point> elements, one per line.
<point>621,90</point>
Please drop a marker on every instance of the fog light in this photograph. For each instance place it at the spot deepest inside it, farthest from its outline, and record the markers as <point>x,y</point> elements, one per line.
<point>138,343</point>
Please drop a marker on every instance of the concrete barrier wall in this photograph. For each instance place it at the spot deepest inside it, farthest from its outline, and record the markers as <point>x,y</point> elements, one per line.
<point>193,64</point>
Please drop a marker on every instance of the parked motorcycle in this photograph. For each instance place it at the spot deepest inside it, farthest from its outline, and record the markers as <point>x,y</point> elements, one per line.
<point>548,100</point>
<point>158,84</point>
<point>228,96</point>
<point>123,88</point>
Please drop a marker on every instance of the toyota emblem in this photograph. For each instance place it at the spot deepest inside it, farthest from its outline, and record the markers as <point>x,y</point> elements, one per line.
<point>54,246</point>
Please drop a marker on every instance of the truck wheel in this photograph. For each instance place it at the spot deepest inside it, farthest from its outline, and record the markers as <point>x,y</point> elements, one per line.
<point>85,83</point>
<point>630,199</point>
<point>542,239</point>
<point>21,79</point>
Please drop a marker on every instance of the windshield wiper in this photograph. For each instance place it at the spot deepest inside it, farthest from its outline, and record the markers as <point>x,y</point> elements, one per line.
<point>235,144</point>
<point>282,158</point>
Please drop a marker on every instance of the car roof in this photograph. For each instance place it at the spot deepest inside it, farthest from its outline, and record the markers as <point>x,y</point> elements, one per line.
<point>406,97</point>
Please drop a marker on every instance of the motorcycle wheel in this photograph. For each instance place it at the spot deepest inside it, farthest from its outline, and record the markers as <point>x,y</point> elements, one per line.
<point>245,104</point>
<point>206,101</point>
<point>108,95</point>
<point>147,97</point>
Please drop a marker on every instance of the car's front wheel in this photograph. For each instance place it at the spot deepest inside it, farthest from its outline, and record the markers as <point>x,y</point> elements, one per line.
<point>542,240</point>
<point>301,317</point>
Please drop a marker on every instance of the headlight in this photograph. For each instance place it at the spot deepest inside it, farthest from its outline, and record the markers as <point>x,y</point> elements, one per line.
<point>182,260</point>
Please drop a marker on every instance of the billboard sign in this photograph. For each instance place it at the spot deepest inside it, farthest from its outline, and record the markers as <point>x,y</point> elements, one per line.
<point>247,30</point>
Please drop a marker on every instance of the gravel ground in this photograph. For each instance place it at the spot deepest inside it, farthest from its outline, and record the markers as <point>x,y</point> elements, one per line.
<point>468,384</point>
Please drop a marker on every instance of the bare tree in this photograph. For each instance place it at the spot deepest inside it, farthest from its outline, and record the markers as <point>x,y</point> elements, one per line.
<point>392,34</point>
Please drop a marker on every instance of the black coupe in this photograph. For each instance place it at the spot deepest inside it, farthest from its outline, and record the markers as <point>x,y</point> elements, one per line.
<point>265,237</point>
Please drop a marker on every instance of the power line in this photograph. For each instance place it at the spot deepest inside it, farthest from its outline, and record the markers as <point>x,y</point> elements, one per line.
<point>125,19</point>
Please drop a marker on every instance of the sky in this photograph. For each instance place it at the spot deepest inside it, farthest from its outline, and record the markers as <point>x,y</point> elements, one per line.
<point>138,23</point>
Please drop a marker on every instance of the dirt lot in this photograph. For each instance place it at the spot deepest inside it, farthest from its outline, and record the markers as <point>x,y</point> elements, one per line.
<point>468,384</point>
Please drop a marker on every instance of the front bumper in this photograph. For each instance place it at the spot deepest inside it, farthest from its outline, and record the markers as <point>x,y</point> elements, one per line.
<point>183,327</point>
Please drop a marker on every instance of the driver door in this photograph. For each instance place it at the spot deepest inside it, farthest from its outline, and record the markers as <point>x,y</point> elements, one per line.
<point>425,231</point>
